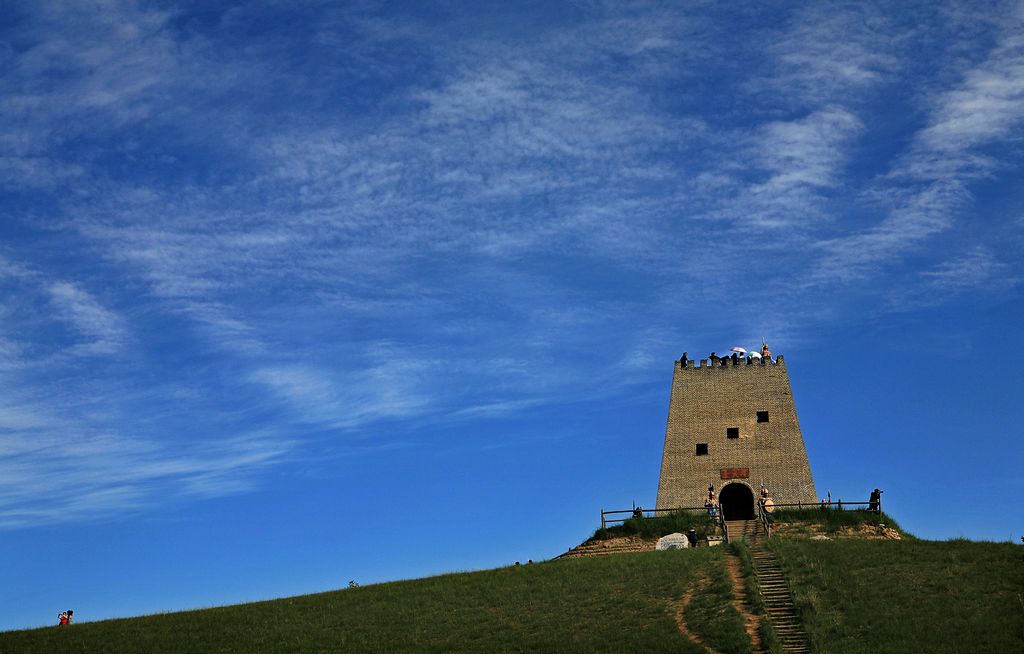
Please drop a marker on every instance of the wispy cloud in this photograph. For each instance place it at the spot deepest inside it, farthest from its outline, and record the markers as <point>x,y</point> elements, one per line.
<point>69,476</point>
<point>831,51</point>
<point>393,388</point>
<point>102,328</point>
<point>929,186</point>
<point>375,217</point>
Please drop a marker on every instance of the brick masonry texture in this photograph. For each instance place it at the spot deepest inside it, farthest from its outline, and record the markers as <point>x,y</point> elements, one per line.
<point>705,402</point>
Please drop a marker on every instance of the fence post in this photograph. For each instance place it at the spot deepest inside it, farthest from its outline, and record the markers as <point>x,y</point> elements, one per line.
<point>602,518</point>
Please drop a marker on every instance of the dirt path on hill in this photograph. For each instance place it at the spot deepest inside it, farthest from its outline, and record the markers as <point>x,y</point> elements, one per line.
<point>739,593</point>
<point>681,605</point>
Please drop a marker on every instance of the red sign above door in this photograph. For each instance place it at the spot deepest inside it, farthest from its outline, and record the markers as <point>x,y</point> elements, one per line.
<point>735,473</point>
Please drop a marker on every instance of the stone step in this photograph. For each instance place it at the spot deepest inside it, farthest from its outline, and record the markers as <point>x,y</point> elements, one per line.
<point>779,607</point>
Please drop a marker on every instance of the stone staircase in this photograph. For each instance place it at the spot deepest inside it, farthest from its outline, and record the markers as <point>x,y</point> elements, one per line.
<point>620,545</point>
<point>774,591</point>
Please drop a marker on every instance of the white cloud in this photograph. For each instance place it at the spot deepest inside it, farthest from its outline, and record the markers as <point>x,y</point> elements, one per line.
<point>103,329</point>
<point>351,397</point>
<point>503,222</point>
<point>929,186</point>
<point>977,267</point>
<point>53,471</point>
<point>828,52</point>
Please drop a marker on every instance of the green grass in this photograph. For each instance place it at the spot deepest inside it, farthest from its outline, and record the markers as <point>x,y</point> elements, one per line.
<point>833,519</point>
<point>680,522</point>
<point>769,639</point>
<point>623,603</point>
<point>907,596</point>
<point>713,617</point>
<point>855,596</point>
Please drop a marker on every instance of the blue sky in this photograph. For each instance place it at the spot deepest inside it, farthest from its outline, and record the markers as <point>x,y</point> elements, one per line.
<point>293,296</point>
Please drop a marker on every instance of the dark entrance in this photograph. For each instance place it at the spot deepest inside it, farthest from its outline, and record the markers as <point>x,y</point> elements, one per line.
<point>737,502</point>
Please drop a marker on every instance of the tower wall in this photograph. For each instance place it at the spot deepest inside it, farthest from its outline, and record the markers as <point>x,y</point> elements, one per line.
<point>705,402</point>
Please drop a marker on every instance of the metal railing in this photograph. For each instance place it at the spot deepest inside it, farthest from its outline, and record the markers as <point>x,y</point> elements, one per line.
<point>719,515</point>
<point>632,513</point>
<point>838,505</point>
<point>762,517</point>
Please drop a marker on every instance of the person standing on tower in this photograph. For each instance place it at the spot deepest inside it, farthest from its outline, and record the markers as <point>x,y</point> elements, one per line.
<point>684,360</point>
<point>765,352</point>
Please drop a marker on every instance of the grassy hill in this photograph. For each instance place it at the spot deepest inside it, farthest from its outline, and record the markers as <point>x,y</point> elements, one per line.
<point>613,604</point>
<point>854,596</point>
<point>907,596</point>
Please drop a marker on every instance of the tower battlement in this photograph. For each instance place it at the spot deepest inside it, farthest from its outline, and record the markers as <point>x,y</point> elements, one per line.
<point>726,362</point>
<point>733,426</point>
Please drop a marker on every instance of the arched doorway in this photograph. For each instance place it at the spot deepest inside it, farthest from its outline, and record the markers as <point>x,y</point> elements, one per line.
<point>737,501</point>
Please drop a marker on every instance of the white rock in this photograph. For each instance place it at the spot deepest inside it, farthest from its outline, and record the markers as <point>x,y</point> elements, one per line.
<point>674,541</point>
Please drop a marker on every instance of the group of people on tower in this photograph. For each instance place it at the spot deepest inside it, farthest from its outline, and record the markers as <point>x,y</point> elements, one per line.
<point>738,354</point>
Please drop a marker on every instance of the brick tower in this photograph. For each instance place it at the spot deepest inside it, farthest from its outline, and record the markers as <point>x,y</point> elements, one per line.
<point>733,426</point>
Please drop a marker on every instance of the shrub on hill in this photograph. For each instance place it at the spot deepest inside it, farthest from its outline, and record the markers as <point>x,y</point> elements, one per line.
<point>678,522</point>
<point>832,519</point>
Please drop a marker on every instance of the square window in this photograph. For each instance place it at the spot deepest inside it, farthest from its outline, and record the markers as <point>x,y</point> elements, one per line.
<point>702,449</point>
<point>762,416</point>
<point>732,432</point>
